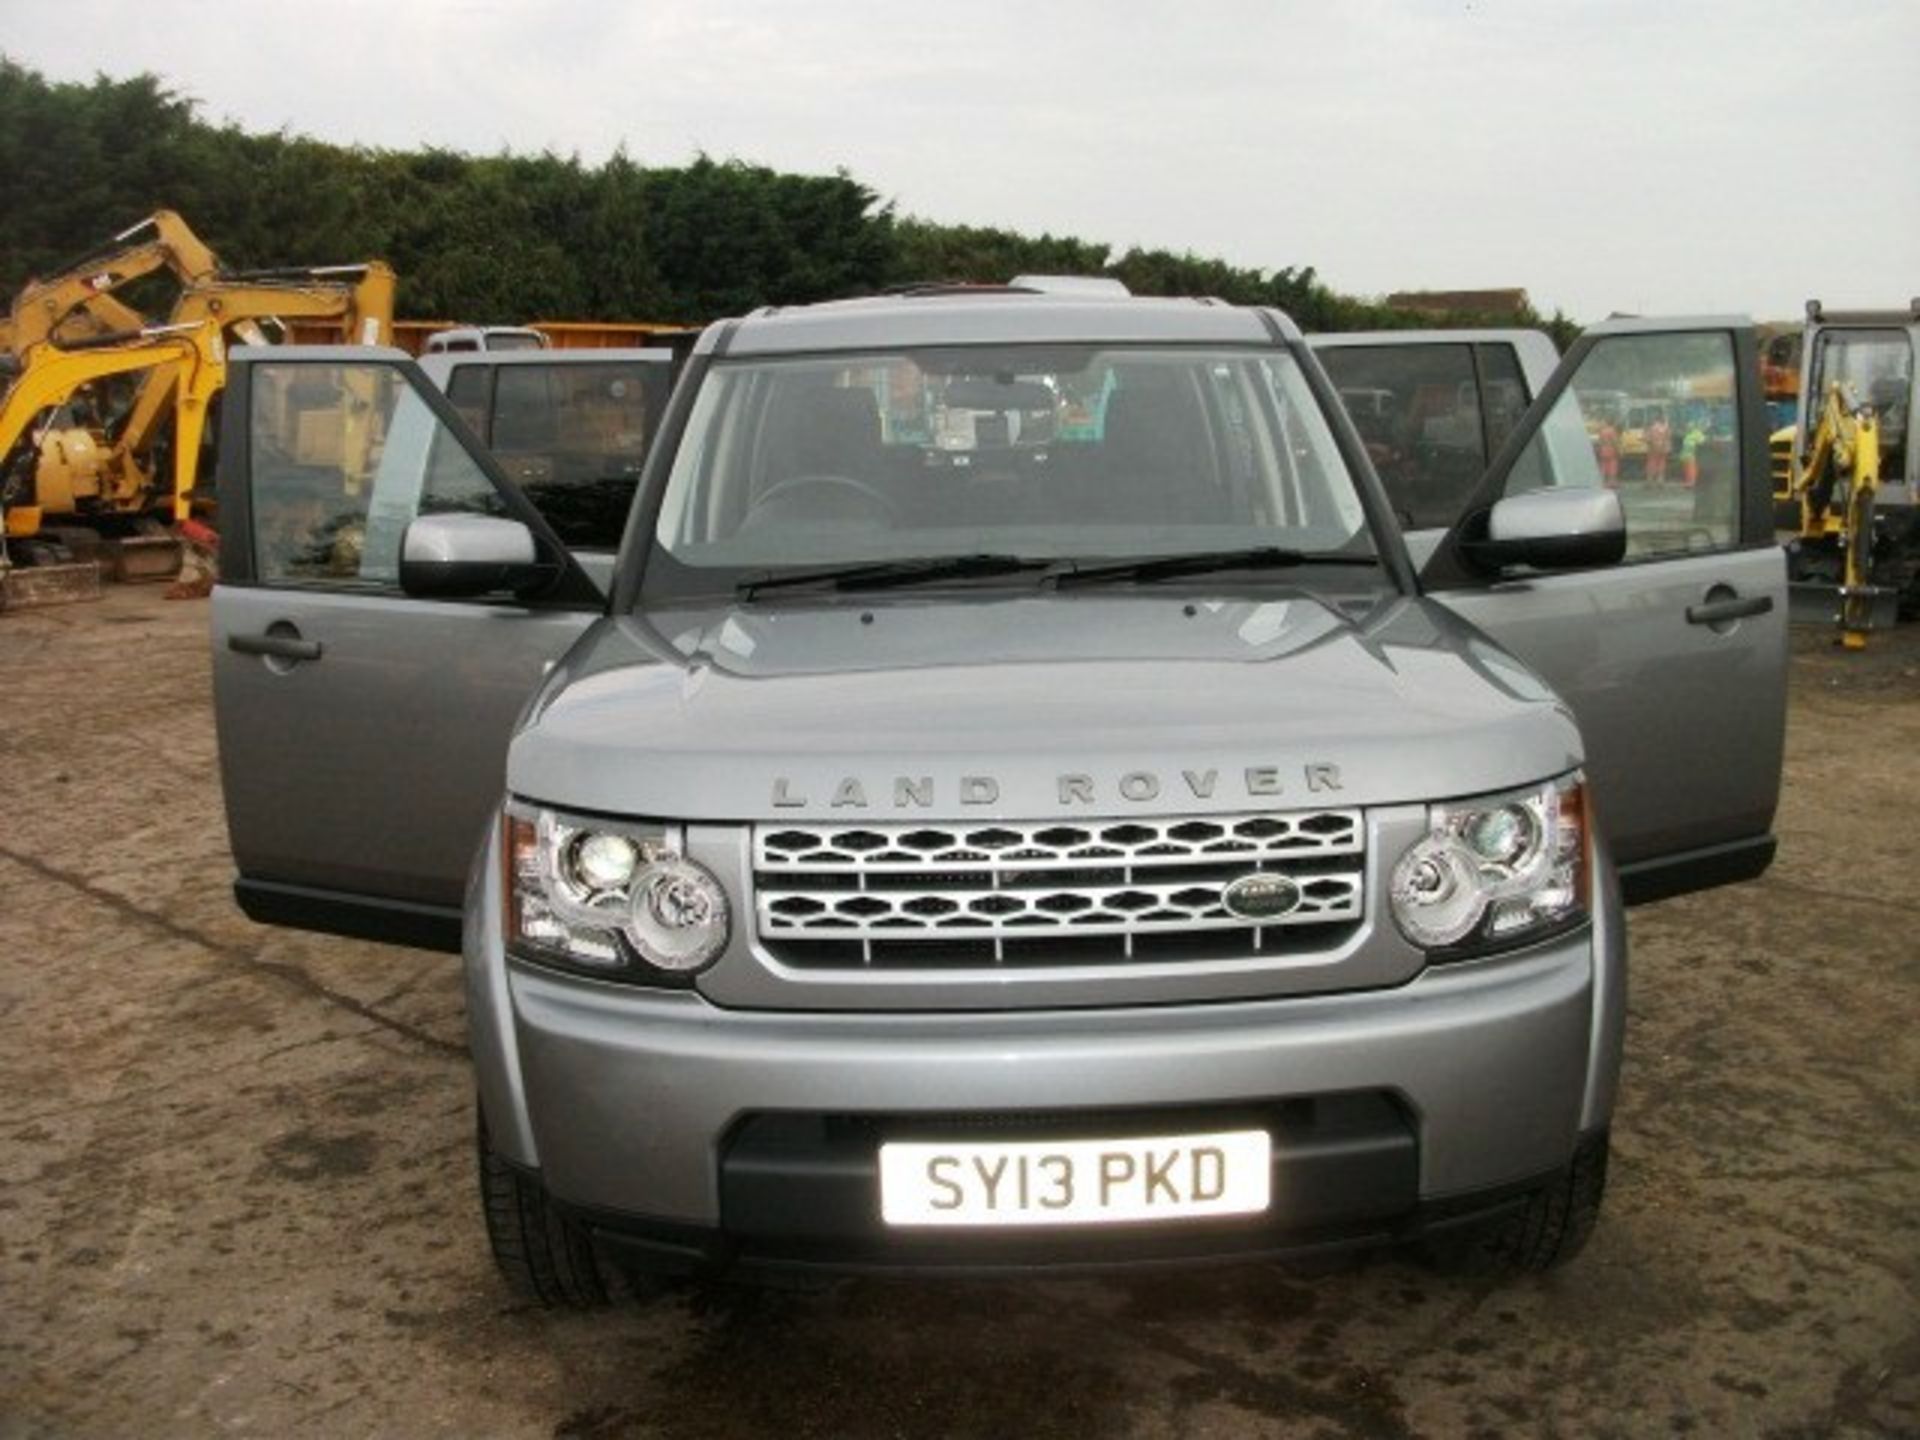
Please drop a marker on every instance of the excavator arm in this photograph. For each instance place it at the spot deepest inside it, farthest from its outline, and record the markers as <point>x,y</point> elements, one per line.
<point>77,303</point>
<point>1844,447</point>
<point>360,297</point>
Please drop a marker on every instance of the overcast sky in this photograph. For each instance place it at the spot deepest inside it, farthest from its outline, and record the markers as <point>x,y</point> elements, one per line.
<point>1648,155</point>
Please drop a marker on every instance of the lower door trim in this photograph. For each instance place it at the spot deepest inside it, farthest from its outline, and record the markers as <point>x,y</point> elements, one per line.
<point>1689,870</point>
<point>361,917</point>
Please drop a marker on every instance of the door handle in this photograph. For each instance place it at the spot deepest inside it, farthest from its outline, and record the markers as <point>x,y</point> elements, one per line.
<point>278,647</point>
<point>1732,607</point>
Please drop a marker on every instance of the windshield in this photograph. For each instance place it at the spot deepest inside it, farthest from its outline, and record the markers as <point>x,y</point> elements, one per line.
<point>1876,366</point>
<point>1041,452</point>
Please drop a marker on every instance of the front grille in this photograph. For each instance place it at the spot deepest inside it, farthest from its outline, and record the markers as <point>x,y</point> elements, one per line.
<point>1051,893</point>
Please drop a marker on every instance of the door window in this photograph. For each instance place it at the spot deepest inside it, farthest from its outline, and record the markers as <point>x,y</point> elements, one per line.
<point>470,392</point>
<point>344,456</point>
<point>1503,392</point>
<point>1417,408</point>
<point>573,437</point>
<point>1654,417</point>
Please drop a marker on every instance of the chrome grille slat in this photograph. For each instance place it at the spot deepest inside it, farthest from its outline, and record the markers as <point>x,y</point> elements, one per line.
<point>1003,881</point>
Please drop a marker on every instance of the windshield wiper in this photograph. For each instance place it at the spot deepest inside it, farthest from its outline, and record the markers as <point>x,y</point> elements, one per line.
<point>892,574</point>
<point>1204,562</point>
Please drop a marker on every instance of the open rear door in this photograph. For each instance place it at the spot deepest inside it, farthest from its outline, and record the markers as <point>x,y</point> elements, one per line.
<point>1674,659</point>
<point>363,732</point>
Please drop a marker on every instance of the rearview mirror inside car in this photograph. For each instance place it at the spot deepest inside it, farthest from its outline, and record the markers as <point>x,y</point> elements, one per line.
<point>974,392</point>
<point>1552,530</point>
<point>450,557</point>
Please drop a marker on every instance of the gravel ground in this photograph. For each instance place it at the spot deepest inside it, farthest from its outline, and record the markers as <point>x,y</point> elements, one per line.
<point>236,1189</point>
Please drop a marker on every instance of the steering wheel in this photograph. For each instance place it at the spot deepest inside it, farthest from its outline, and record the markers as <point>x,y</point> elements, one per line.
<point>794,484</point>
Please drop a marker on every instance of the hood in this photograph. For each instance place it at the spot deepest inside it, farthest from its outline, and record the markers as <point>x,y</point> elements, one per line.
<point>1034,706</point>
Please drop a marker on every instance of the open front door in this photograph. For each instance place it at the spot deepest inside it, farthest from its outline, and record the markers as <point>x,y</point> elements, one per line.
<point>1674,659</point>
<point>363,732</point>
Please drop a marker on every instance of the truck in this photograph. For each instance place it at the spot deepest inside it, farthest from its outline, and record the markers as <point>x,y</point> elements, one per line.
<point>1081,846</point>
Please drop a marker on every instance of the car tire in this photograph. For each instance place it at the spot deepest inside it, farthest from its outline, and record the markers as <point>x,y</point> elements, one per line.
<point>544,1255</point>
<point>1544,1232</point>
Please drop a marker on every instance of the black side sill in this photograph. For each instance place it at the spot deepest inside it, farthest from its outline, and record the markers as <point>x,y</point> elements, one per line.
<point>359,917</point>
<point>1690,870</point>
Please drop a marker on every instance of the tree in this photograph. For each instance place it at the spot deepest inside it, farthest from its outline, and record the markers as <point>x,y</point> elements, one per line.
<point>518,237</point>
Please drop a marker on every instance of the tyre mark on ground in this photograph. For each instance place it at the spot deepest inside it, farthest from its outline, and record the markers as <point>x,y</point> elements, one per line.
<point>1843,896</point>
<point>291,976</point>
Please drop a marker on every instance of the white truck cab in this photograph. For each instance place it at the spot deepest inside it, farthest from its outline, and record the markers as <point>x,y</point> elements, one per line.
<point>468,339</point>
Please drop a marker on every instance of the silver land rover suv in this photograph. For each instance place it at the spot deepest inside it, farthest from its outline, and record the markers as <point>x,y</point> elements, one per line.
<point>1018,798</point>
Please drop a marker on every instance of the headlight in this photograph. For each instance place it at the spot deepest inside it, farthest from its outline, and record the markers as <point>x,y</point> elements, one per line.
<point>611,899</point>
<point>1497,870</point>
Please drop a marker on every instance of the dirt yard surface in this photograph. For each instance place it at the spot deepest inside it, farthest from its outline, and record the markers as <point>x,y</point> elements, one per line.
<point>236,1188</point>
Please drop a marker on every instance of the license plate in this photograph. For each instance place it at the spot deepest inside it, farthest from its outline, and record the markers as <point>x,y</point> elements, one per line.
<point>1075,1182</point>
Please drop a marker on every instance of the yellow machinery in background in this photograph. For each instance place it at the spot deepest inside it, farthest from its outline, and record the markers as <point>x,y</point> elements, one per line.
<point>100,468</point>
<point>78,303</point>
<point>1846,480</point>
<point>355,300</point>
<point>1843,463</point>
<point>49,379</point>
<point>31,490</point>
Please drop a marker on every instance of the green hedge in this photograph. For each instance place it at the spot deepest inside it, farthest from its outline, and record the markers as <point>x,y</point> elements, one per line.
<point>515,237</point>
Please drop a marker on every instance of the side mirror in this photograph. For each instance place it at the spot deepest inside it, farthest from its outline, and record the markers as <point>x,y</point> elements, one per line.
<point>457,557</point>
<point>1558,529</point>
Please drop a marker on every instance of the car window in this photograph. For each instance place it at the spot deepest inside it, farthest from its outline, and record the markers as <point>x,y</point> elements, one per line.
<point>1041,451</point>
<point>1655,418</point>
<point>1417,408</point>
<point>573,437</point>
<point>1503,392</point>
<point>343,457</point>
<point>469,389</point>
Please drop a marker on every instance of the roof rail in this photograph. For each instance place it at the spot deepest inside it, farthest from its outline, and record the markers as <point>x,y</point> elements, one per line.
<point>1818,314</point>
<point>1073,285</point>
<point>955,287</point>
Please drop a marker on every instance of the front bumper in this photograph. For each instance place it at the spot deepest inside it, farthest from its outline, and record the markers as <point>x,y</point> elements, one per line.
<point>798,1192</point>
<point>663,1118</point>
<point>630,1096</point>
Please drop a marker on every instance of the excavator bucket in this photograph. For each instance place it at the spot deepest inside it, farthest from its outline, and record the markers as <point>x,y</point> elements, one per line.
<point>1817,602</point>
<point>130,559</point>
<point>25,589</point>
<point>57,578</point>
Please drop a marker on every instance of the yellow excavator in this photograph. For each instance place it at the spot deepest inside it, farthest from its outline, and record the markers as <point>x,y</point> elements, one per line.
<point>1846,478</point>
<point>1842,463</point>
<point>31,490</point>
<point>245,308</point>
<point>89,466</point>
